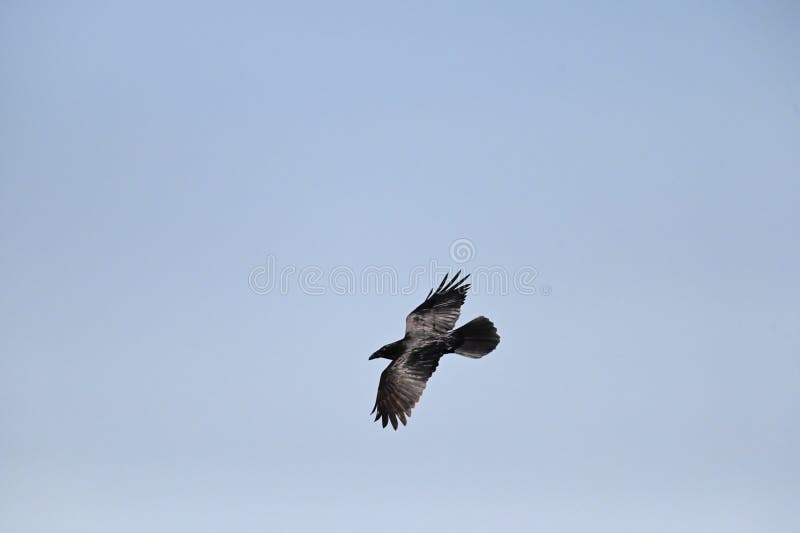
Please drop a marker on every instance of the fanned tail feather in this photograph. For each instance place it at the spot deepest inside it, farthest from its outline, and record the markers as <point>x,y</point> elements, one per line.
<point>476,338</point>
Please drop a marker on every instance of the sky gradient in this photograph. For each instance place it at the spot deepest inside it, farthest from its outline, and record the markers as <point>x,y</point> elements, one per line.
<point>643,160</point>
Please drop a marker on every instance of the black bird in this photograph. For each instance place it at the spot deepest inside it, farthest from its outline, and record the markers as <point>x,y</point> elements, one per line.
<point>429,336</point>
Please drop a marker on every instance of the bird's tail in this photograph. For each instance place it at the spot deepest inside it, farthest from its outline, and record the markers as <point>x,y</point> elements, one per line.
<point>476,338</point>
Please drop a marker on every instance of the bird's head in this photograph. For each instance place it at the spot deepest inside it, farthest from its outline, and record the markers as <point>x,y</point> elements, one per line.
<point>382,353</point>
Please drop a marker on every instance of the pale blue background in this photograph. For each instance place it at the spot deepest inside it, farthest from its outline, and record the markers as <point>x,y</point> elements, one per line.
<point>644,159</point>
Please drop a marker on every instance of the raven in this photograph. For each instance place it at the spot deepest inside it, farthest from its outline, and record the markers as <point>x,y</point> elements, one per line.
<point>428,337</point>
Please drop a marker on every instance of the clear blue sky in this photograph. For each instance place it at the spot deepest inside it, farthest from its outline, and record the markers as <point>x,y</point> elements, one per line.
<point>645,160</point>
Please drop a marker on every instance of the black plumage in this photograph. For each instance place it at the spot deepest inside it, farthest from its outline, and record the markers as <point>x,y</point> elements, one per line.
<point>429,336</point>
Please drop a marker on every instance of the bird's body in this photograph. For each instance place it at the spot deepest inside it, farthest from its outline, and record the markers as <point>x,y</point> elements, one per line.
<point>429,336</point>
<point>427,345</point>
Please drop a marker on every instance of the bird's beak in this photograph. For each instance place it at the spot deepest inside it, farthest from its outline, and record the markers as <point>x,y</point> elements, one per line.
<point>373,356</point>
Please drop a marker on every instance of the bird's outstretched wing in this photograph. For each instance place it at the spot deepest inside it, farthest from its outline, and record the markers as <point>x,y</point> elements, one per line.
<point>401,386</point>
<point>440,310</point>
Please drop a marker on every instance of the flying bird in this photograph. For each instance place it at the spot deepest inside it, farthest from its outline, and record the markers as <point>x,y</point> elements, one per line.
<point>429,336</point>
